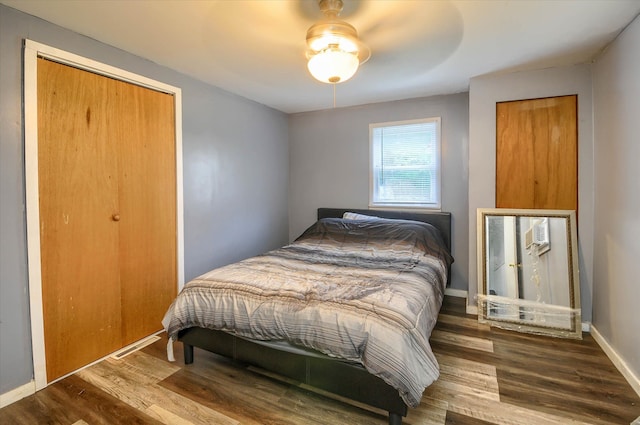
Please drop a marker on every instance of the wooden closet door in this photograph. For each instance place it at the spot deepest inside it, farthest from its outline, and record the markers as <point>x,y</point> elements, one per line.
<point>107,183</point>
<point>77,172</point>
<point>537,153</point>
<point>147,199</point>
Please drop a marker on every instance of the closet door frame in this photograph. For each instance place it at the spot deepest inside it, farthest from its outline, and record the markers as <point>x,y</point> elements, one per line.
<point>32,51</point>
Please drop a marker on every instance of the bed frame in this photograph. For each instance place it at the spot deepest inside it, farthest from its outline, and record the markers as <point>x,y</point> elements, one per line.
<point>315,369</point>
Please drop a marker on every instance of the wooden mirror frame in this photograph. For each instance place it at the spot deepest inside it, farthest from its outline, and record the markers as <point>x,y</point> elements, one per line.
<point>570,314</point>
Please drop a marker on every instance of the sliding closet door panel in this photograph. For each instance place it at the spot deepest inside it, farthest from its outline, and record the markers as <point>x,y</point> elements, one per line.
<point>147,190</point>
<point>515,168</point>
<point>537,153</point>
<point>78,187</point>
<point>556,161</point>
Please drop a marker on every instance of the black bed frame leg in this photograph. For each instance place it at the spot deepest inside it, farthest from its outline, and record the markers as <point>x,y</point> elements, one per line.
<point>188,353</point>
<point>395,418</point>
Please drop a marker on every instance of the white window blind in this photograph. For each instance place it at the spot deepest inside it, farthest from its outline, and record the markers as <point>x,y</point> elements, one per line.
<point>405,164</point>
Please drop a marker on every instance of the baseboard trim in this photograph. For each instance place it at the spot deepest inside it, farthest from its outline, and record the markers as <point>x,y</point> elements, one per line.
<point>17,393</point>
<point>459,293</point>
<point>586,326</point>
<point>615,358</point>
<point>472,309</point>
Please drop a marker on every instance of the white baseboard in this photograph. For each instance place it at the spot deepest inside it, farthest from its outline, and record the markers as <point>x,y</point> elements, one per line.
<point>586,326</point>
<point>615,358</point>
<point>459,293</point>
<point>17,393</point>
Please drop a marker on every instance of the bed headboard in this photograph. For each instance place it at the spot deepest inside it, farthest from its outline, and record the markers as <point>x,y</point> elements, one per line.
<point>440,220</point>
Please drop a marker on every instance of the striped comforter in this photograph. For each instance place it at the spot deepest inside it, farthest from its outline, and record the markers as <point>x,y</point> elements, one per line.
<point>365,291</point>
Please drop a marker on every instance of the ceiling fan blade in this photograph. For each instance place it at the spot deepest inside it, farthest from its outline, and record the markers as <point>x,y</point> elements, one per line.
<point>387,27</point>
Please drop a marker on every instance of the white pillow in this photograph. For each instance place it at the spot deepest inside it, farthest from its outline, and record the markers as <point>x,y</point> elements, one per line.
<point>356,216</point>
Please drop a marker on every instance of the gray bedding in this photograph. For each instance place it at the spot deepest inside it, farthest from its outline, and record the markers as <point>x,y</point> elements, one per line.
<point>360,290</point>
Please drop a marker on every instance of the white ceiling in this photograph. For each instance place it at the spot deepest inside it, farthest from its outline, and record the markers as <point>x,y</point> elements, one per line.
<point>255,48</point>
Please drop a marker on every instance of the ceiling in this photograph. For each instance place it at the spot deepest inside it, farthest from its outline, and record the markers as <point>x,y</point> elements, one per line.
<point>256,48</point>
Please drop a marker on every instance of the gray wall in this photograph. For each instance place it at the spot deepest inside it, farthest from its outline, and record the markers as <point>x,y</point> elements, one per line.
<point>616,288</point>
<point>484,92</point>
<point>235,175</point>
<point>329,162</point>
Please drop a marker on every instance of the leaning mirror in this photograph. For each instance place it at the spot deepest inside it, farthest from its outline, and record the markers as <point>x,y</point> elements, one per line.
<point>528,271</point>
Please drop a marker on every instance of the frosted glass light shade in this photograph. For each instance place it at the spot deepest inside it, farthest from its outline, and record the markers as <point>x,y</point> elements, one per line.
<point>333,65</point>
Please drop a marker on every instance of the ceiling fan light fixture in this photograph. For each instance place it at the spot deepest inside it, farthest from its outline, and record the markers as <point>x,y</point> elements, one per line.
<point>332,31</point>
<point>335,52</point>
<point>333,65</point>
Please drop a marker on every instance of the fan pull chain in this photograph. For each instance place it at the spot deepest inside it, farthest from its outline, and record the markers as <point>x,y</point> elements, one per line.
<point>334,95</point>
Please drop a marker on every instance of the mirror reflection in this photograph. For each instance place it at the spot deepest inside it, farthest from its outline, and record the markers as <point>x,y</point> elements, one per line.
<point>528,277</point>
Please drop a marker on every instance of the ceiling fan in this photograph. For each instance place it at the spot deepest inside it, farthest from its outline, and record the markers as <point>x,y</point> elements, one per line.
<point>334,50</point>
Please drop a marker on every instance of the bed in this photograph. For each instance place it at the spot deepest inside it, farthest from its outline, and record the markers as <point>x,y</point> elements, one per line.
<point>348,307</point>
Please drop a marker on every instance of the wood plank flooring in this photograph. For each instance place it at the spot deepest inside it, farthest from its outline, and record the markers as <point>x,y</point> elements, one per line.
<point>487,376</point>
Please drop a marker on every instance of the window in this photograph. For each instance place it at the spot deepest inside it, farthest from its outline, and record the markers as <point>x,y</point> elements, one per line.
<point>405,164</point>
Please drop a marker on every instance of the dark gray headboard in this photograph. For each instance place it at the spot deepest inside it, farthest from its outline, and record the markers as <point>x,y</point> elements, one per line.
<point>440,220</point>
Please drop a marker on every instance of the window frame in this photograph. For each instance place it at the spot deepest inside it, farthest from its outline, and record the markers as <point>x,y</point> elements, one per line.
<point>437,204</point>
